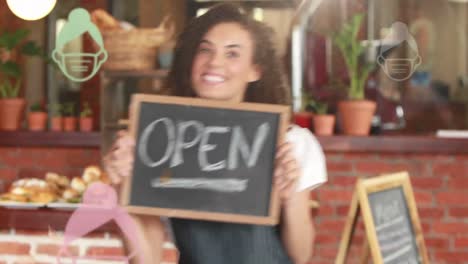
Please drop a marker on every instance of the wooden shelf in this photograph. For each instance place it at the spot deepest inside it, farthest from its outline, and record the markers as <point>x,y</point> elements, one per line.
<point>49,139</point>
<point>338,143</point>
<point>156,73</point>
<point>395,144</point>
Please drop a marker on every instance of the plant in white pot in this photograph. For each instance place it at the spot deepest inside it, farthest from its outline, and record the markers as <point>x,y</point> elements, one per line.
<point>356,112</point>
<point>13,44</point>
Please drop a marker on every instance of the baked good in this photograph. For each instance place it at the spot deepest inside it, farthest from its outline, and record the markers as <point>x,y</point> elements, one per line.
<point>78,184</point>
<point>91,174</point>
<point>71,196</point>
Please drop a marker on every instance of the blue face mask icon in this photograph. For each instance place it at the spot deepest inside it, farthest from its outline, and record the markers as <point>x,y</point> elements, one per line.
<point>79,66</point>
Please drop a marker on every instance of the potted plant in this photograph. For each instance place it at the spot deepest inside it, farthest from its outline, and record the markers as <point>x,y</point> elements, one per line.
<point>13,44</point>
<point>37,118</point>
<point>356,112</point>
<point>56,121</point>
<point>323,122</point>
<point>86,119</point>
<point>69,120</point>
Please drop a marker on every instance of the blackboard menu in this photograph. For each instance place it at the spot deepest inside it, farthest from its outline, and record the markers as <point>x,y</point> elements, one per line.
<point>197,158</point>
<point>393,226</point>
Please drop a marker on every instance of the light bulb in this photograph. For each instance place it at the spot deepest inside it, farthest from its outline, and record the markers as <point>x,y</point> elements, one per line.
<point>31,9</point>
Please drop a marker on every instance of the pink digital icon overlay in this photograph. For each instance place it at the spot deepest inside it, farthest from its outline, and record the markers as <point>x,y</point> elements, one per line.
<point>99,207</point>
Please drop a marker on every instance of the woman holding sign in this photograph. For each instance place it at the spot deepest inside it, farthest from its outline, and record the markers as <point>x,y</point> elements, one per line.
<point>225,55</point>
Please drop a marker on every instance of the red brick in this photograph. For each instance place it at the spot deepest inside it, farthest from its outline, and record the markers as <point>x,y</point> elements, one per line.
<point>414,169</point>
<point>350,156</point>
<point>427,182</point>
<point>452,198</point>
<point>170,255</point>
<point>327,252</point>
<point>342,181</point>
<point>423,198</point>
<point>53,250</point>
<point>430,212</point>
<point>376,168</point>
<point>336,195</point>
<point>450,169</point>
<point>342,210</point>
<point>461,158</point>
<point>14,248</point>
<point>458,182</point>
<point>324,238</point>
<point>325,210</point>
<point>449,228</point>
<point>461,242</point>
<point>331,226</point>
<point>452,256</point>
<point>105,251</point>
<point>333,166</point>
<point>436,242</point>
<point>458,212</point>
<point>24,232</point>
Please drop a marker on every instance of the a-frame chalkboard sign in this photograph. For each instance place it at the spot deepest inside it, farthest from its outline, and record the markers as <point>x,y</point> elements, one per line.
<point>390,216</point>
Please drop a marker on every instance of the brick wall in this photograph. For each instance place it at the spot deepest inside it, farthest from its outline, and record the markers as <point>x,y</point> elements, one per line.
<point>440,183</point>
<point>27,247</point>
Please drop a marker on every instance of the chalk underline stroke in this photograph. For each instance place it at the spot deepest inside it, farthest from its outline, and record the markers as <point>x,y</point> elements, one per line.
<point>218,185</point>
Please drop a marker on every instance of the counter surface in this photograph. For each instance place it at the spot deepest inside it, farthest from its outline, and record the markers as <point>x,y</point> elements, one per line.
<point>337,143</point>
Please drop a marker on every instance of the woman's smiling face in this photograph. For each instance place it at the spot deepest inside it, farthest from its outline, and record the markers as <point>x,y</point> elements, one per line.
<point>223,64</point>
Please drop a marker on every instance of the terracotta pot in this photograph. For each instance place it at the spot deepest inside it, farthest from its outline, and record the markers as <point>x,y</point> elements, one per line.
<point>69,124</point>
<point>303,119</point>
<point>356,116</point>
<point>11,113</point>
<point>324,124</point>
<point>86,124</point>
<point>37,121</point>
<point>56,123</point>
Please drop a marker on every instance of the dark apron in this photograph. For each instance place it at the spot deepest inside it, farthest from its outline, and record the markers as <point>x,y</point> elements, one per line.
<point>203,242</point>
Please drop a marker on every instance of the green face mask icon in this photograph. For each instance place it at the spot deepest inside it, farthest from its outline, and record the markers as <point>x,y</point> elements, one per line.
<point>79,66</point>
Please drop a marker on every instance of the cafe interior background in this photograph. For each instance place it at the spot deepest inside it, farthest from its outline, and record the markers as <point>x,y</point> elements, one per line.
<point>418,125</point>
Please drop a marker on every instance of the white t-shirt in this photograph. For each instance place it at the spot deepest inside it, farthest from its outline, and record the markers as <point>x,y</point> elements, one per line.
<point>310,156</point>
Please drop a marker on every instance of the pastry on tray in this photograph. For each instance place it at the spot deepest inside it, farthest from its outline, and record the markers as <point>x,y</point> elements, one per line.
<point>54,188</point>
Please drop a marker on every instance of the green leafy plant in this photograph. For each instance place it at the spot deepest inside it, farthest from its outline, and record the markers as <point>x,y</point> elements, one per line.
<point>8,90</point>
<point>68,109</point>
<point>10,70</point>
<point>86,110</point>
<point>36,107</point>
<point>350,46</point>
<point>56,110</point>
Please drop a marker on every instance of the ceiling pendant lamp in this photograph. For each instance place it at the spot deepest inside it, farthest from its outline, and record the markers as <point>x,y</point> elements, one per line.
<point>31,9</point>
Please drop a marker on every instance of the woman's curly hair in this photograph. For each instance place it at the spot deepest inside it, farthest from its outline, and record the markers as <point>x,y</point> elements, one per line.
<point>270,88</point>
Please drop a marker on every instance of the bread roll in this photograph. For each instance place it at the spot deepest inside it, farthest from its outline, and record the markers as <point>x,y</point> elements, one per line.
<point>78,184</point>
<point>91,174</point>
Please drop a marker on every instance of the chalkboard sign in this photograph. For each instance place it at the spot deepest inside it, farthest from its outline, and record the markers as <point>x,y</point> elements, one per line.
<point>393,230</point>
<point>205,159</point>
<point>393,227</point>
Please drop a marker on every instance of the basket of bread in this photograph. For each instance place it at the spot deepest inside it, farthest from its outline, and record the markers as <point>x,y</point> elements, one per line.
<point>53,188</point>
<point>130,48</point>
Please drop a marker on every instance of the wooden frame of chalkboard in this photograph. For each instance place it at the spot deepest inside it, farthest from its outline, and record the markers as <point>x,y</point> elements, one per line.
<point>281,114</point>
<point>389,219</point>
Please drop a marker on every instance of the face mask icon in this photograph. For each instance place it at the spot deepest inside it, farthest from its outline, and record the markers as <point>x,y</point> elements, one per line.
<point>79,66</point>
<point>399,69</point>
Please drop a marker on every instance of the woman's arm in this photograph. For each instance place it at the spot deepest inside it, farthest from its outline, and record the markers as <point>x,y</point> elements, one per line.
<point>297,229</point>
<point>150,235</point>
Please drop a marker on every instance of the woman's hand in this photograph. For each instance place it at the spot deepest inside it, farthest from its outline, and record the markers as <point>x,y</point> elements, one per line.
<point>118,163</point>
<point>287,171</point>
